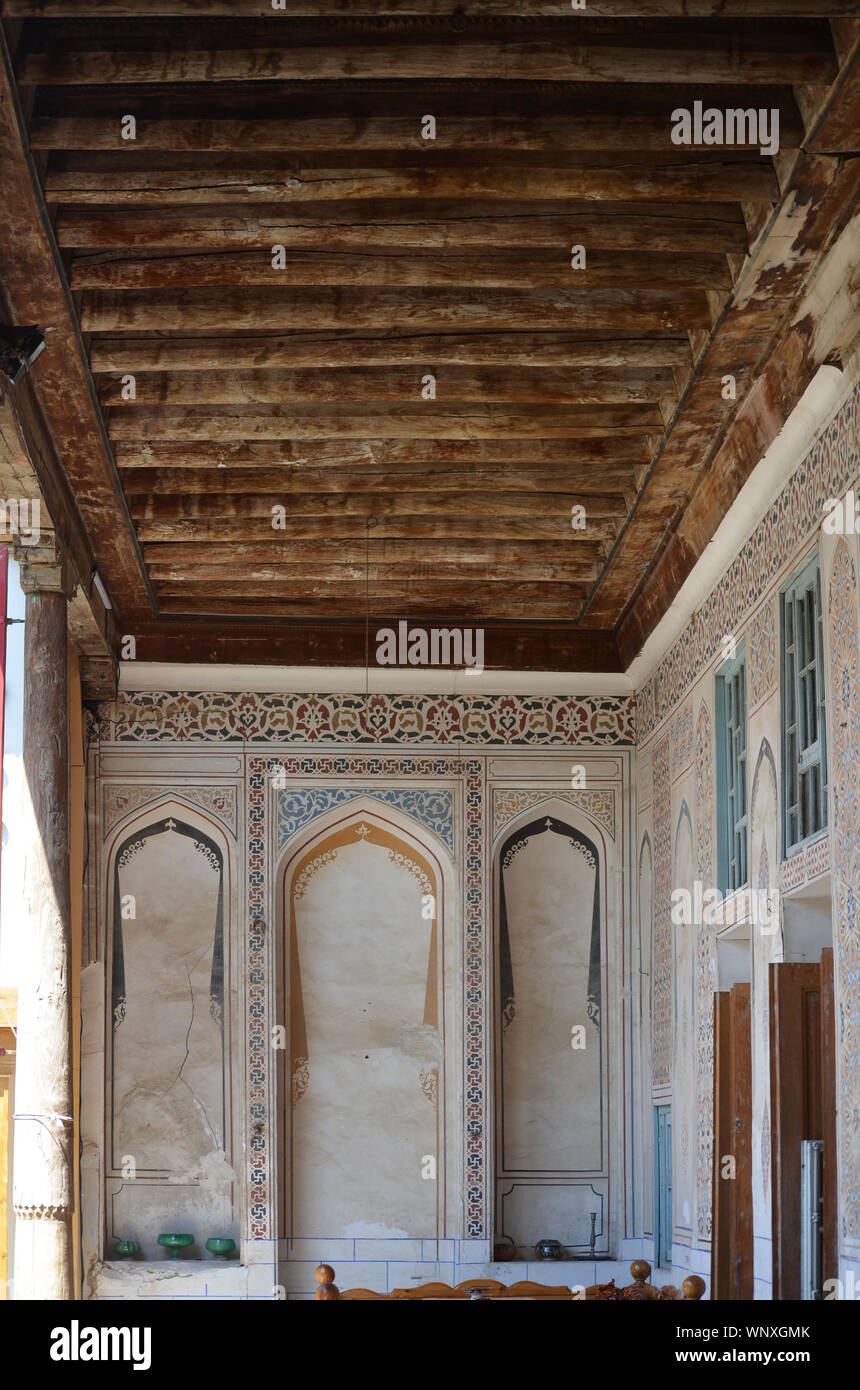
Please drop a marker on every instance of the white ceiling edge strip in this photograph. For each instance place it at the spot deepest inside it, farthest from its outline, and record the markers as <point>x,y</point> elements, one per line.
<point>350,680</point>
<point>812,413</point>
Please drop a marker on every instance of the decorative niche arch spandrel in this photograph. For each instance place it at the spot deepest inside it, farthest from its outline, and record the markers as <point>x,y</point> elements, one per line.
<point>365,1110</point>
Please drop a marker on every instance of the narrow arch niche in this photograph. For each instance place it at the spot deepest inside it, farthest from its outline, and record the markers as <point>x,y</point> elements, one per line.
<point>363,974</point>
<point>168,1101</point>
<point>549,982</point>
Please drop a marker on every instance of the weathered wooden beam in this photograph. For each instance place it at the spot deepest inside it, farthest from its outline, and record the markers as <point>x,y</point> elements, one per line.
<point>456,133</point>
<point>408,528</point>
<point>142,180</point>
<point>573,50</point>
<point>471,503</point>
<point>428,420</point>
<point>539,269</point>
<point>421,310</point>
<point>525,646</point>
<point>444,225</point>
<point>187,482</point>
<point>374,455</point>
<point>503,9</point>
<point>374,386</point>
<point>415,571</point>
<point>467,588</point>
<point>471,610</point>
<point>345,544</point>
<point>351,349</point>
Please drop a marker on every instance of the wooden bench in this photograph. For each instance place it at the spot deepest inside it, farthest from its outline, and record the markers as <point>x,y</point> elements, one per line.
<point>488,1289</point>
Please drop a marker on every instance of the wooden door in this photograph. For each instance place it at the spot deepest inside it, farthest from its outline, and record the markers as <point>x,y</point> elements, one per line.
<point>732,1237</point>
<point>803,1106</point>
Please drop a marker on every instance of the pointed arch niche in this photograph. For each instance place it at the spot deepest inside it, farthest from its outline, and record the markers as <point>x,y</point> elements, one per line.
<point>367,979</point>
<point>169,1024</point>
<point>550,994</point>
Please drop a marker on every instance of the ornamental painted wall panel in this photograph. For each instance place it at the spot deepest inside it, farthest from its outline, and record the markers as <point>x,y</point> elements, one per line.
<point>661,955</point>
<point>364,962</point>
<point>844,675</point>
<point>683,1048</point>
<point>706,976</point>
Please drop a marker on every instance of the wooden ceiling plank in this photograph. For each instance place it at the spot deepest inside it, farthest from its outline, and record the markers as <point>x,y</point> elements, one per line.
<point>582,130</point>
<point>335,350</point>
<point>373,386</point>
<point>416,607</point>
<point>218,179</point>
<point>640,311</point>
<point>231,9</point>
<point>158,482</point>
<point>574,50</point>
<point>415,571</point>
<point>550,269</point>
<point>392,504</point>
<point>375,455</point>
<point>410,528</point>
<point>461,546</point>
<point>430,420</point>
<point>528,646</point>
<point>440,225</point>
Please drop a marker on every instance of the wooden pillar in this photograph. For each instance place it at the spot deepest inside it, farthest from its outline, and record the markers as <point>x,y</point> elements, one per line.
<point>43,1174</point>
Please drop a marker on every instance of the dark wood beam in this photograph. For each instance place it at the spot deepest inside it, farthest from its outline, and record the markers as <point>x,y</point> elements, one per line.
<point>457,535</point>
<point>428,420</point>
<point>468,611</point>
<point>573,49</point>
<point>373,386</point>
<point>414,504</point>
<point>374,455</point>
<point>143,180</point>
<point>187,482</point>
<point>452,9</point>
<point>518,545</point>
<point>508,268</point>
<point>442,225</point>
<point>416,572</point>
<point>354,349</point>
<point>413,310</point>
<point>583,130</point>
<point>523,646</point>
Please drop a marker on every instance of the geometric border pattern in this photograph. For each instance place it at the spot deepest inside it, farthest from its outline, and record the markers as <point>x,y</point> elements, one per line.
<point>495,721</point>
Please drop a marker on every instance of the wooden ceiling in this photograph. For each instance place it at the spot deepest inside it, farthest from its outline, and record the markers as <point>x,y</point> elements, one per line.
<point>296,386</point>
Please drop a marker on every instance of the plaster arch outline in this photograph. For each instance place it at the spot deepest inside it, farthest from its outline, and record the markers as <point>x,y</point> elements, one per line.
<point>414,850</point>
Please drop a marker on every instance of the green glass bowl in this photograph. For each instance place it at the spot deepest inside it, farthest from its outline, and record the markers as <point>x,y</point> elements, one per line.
<point>175,1244</point>
<point>126,1249</point>
<point>221,1246</point>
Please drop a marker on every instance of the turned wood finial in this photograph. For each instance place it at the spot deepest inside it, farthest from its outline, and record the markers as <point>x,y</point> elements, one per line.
<point>693,1286</point>
<point>327,1289</point>
<point>641,1271</point>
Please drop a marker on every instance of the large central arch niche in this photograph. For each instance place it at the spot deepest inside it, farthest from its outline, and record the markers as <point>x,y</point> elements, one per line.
<point>550,1134</point>
<point>363,986</point>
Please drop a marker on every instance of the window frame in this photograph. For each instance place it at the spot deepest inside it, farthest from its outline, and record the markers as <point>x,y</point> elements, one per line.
<point>801,670</point>
<point>732,774</point>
